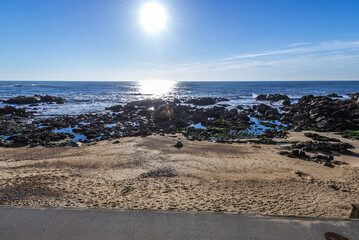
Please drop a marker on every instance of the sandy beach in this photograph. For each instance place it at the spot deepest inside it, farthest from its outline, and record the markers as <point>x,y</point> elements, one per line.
<point>150,173</point>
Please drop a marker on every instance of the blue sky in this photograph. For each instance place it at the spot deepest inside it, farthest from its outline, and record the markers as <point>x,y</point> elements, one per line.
<point>203,40</point>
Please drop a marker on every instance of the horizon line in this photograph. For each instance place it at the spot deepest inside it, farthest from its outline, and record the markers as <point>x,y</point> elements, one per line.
<point>318,80</point>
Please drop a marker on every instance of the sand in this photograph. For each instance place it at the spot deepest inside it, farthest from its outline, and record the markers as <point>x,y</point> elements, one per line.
<point>149,173</point>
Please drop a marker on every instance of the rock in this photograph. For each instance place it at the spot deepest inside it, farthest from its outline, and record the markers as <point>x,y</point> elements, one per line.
<point>354,96</point>
<point>179,144</point>
<point>35,99</point>
<point>325,147</point>
<point>243,117</point>
<point>262,108</point>
<point>318,137</point>
<point>205,101</point>
<point>159,172</point>
<point>116,142</point>
<point>355,211</point>
<point>163,112</point>
<point>334,95</point>
<point>13,110</point>
<point>286,102</point>
<point>32,145</point>
<point>272,114</point>
<point>334,236</point>
<point>323,113</point>
<point>147,103</point>
<point>327,164</point>
<point>116,108</point>
<point>202,101</point>
<point>272,97</point>
<point>295,154</point>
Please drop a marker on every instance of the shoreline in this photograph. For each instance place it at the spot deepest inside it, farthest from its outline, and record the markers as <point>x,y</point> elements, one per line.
<point>186,155</point>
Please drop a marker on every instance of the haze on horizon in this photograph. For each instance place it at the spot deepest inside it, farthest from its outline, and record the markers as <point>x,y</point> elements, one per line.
<point>233,40</point>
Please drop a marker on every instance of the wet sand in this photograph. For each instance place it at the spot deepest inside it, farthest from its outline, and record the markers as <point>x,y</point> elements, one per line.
<point>149,173</point>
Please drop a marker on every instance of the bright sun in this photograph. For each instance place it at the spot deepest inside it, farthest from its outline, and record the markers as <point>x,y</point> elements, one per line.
<point>153,17</point>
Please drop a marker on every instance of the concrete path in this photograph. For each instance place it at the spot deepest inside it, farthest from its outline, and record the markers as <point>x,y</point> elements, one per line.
<point>50,223</point>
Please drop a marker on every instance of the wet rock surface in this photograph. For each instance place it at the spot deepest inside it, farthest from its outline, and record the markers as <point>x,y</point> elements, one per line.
<point>205,101</point>
<point>272,97</point>
<point>35,99</point>
<point>334,95</point>
<point>14,111</point>
<point>323,114</point>
<point>209,123</point>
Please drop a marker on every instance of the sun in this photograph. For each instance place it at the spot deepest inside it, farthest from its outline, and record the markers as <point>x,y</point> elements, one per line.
<point>153,17</point>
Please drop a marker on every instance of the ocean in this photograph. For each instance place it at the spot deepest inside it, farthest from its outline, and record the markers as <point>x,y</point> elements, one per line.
<point>84,97</point>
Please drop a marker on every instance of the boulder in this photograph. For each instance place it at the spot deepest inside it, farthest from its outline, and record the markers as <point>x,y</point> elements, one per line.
<point>286,102</point>
<point>334,95</point>
<point>205,101</point>
<point>202,101</point>
<point>35,99</point>
<point>12,110</point>
<point>116,108</point>
<point>179,144</point>
<point>262,108</point>
<point>272,97</point>
<point>163,112</point>
<point>322,113</point>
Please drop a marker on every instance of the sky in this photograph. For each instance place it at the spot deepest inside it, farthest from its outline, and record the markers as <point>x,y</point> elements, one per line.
<point>208,40</point>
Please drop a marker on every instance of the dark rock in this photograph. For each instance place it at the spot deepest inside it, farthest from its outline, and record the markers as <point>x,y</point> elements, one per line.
<point>355,211</point>
<point>116,142</point>
<point>318,137</point>
<point>327,164</point>
<point>159,172</point>
<point>163,112</point>
<point>32,145</point>
<point>116,108</point>
<point>334,236</point>
<point>354,96</point>
<point>179,144</point>
<point>286,102</point>
<point>325,147</point>
<point>272,114</point>
<point>322,114</point>
<point>147,103</point>
<point>262,108</point>
<point>13,110</point>
<point>205,101</point>
<point>272,97</point>
<point>334,95</point>
<point>242,116</point>
<point>35,99</point>
<point>202,101</point>
<point>295,154</point>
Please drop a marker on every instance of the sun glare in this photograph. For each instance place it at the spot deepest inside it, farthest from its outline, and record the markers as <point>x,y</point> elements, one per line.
<point>153,17</point>
<point>156,87</point>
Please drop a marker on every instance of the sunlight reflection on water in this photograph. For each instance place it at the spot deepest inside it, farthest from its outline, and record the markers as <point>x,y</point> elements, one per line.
<point>156,87</point>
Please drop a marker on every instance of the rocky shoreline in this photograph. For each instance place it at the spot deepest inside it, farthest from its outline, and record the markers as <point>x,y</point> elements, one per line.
<point>197,119</point>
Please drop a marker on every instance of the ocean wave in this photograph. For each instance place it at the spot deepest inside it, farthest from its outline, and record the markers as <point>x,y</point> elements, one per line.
<point>11,85</point>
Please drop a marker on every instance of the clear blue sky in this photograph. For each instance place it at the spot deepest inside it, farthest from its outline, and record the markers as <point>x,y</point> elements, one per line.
<point>203,40</point>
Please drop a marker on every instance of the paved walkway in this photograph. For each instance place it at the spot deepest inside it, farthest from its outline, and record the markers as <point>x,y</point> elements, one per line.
<point>50,223</point>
